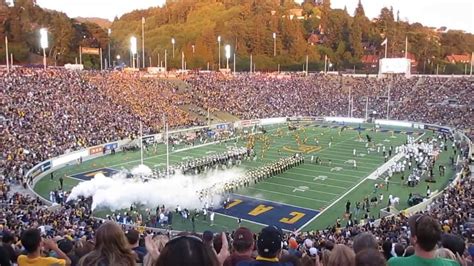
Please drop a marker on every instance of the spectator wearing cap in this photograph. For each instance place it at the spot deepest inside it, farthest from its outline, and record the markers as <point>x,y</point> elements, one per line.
<point>425,234</point>
<point>242,245</point>
<point>33,243</point>
<point>133,238</point>
<point>269,245</point>
<point>311,256</point>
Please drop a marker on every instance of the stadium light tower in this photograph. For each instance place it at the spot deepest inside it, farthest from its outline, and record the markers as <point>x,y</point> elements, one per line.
<point>143,41</point>
<point>274,44</point>
<point>227,54</point>
<point>173,42</point>
<point>219,48</point>
<point>109,31</point>
<point>44,43</point>
<point>133,49</point>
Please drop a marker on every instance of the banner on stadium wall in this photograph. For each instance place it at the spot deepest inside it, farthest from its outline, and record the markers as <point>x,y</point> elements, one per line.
<point>222,127</point>
<point>96,150</point>
<point>90,50</point>
<point>300,119</point>
<point>393,123</point>
<point>271,121</point>
<point>445,130</point>
<point>418,126</point>
<point>247,123</point>
<point>111,146</point>
<point>148,139</point>
<point>343,119</point>
<point>43,167</point>
<point>70,157</point>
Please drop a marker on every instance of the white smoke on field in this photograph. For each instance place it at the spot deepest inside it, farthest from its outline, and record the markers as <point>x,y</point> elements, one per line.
<point>118,192</point>
<point>142,170</point>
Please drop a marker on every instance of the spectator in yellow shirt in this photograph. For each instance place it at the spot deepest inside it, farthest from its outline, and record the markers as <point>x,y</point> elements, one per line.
<point>33,244</point>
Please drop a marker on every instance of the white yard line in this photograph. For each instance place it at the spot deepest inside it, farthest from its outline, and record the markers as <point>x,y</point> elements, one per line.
<point>292,187</point>
<point>341,197</point>
<point>288,195</point>
<point>332,178</point>
<point>309,182</point>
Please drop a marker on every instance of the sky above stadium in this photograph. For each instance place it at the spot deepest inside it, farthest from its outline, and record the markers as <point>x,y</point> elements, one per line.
<point>454,14</point>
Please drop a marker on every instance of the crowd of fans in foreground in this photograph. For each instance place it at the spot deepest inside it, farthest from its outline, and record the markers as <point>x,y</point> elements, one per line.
<point>45,114</point>
<point>33,234</point>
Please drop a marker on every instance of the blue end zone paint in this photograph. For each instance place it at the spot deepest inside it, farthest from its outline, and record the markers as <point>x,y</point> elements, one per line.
<point>90,174</point>
<point>397,131</point>
<point>267,212</point>
<point>384,130</point>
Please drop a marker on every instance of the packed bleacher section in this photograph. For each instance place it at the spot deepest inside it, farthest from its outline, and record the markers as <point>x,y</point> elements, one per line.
<point>444,101</point>
<point>45,114</point>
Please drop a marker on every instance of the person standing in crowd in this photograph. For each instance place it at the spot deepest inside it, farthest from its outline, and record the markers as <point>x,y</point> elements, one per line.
<point>133,237</point>
<point>425,232</point>
<point>111,248</point>
<point>243,245</point>
<point>341,255</point>
<point>269,246</point>
<point>187,249</point>
<point>61,181</point>
<point>32,243</point>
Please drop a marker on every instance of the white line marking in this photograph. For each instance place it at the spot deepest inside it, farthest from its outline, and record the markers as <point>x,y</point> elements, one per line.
<point>308,182</point>
<point>288,195</point>
<point>300,189</point>
<point>338,199</point>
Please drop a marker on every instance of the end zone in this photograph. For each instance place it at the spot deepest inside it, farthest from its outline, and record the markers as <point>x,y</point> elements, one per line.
<point>287,217</point>
<point>86,176</point>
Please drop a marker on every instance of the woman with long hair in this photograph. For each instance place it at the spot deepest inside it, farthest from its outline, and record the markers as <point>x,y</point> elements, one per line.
<point>341,255</point>
<point>111,248</point>
<point>189,249</point>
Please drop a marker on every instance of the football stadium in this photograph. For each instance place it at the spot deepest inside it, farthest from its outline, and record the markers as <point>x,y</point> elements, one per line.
<point>235,133</point>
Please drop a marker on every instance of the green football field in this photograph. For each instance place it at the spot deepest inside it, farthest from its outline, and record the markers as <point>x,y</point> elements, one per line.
<point>323,188</point>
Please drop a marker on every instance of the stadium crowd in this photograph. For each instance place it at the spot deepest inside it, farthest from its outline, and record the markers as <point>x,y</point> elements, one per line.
<point>45,114</point>
<point>426,99</point>
<point>67,234</point>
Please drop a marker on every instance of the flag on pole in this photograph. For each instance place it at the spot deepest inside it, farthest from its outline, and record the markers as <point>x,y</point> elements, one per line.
<point>406,47</point>
<point>143,20</point>
<point>384,43</point>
